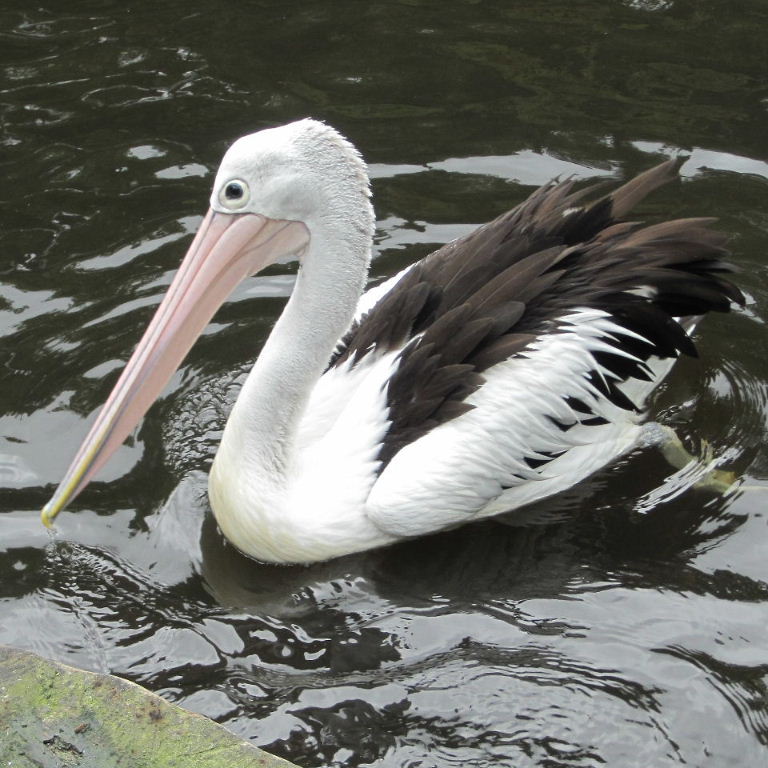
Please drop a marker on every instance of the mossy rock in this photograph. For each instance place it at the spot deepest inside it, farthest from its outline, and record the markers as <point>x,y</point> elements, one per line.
<point>55,716</point>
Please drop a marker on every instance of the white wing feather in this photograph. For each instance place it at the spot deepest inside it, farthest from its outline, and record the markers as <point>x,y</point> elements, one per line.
<point>474,465</point>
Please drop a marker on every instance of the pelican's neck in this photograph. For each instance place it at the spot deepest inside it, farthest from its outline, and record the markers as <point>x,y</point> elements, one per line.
<point>258,443</point>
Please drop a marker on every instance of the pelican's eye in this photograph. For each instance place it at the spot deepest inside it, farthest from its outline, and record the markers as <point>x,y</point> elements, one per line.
<point>234,194</point>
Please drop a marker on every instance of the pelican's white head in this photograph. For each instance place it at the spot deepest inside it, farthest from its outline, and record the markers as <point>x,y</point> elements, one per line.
<point>304,171</point>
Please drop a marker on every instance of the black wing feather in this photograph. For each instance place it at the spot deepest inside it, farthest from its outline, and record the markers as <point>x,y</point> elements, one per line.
<point>484,298</point>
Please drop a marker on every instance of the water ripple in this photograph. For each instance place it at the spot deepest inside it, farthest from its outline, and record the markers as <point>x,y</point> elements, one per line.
<point>622,623</point>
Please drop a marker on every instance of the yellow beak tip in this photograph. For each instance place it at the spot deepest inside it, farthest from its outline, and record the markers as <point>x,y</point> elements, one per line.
<point>46,517</point>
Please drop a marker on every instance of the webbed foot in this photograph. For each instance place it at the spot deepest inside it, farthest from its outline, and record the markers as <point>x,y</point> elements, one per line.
<point>673,450</point>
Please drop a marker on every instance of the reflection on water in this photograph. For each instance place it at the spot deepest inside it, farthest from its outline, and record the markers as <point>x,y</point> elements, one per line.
<point>624,623</point>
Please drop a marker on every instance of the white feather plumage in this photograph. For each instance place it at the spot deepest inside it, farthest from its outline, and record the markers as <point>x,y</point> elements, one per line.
<point>307,486</point>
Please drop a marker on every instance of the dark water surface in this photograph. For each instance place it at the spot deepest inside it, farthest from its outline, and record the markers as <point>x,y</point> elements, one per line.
<point>630,629</point>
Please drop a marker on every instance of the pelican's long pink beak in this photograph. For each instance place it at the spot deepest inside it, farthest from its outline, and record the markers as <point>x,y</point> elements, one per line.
<point>227,249</point>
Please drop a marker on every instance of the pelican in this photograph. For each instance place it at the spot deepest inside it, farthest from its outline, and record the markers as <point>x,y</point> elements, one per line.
<point>499,370</point>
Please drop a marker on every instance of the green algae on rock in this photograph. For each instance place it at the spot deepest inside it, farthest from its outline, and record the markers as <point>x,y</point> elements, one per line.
<point>58,716</point>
